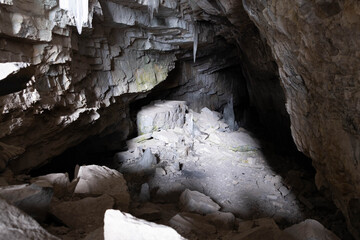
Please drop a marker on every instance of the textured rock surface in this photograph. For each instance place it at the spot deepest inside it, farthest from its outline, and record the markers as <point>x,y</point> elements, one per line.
<point>98,180</point>
<point>33,199</point>
<point>310,229</point>
<point>77,81</point>
<point>15,225</point>
<point>81,80</point>
<point>86,214</point>
<point>315,45</point>
<point>118,224</point>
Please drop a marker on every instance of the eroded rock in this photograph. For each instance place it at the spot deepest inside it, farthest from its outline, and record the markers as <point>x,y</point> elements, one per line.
<point>98,180</point>
<point>194,201</point>
<point>15,225</point>
<point>33,199</point>
<point>118,224</point>
<point>86,214</point>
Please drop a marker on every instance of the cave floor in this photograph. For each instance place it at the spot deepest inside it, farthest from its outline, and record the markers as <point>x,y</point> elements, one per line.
<point>231,167</point>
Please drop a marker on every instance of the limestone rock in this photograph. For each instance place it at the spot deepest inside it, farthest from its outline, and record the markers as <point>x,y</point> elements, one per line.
<point>33,199</point>
<point>310,230</point>
<point>60,183</point>
<point>15,225</point>
<point>258,229</point>
<point>187,223</point>
<point>161,115</point>
<point>86,214</point>
<point>194,201</point>
<point>145,164</point>
<point>98,180</point>
<point>118,225</point>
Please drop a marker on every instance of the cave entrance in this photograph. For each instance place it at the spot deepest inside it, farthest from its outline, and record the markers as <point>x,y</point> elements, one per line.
<point>200,130</point>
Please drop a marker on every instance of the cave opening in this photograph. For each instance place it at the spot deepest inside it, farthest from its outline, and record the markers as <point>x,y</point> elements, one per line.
<point>190,114</point>
<point>255,171</point>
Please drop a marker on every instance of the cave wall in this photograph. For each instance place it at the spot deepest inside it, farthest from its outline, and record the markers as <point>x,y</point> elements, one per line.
<point>315,45</point>
<point>82,84</point>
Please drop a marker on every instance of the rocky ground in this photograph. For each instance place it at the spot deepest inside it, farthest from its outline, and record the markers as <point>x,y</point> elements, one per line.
<point>197,173</point>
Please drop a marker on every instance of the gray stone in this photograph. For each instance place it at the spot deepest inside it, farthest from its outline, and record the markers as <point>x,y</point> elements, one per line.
<point>60,183</point>
<point>310,230</point>
<point>194,201</point>
<point>98,180</point>
<point>86,214</point>
<point>118,225</point>
<point>15,225</point>
<point>33,199</point>
<point>259,229</point>
<point>145,164</point>
<point>187,223</point>
<point>161,115</point>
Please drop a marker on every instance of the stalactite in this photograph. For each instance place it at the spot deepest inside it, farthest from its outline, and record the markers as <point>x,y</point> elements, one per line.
<point>79,9</point>
<point>196,40</point>
<point>153,6</point>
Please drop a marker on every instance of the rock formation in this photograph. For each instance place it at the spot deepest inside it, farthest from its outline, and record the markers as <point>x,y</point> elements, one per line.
<point>293,62</point>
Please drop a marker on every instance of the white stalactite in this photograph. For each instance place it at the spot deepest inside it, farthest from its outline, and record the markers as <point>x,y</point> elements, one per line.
<point>153,6</point>
<point>79,9</point>
<point>196,39</point>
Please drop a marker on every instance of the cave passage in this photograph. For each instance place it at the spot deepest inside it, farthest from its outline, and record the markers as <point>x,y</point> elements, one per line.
<point>225,154</point>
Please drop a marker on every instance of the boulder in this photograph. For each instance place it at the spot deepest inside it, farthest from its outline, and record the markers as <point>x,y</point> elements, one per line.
<point>98,180</point>
<point>86,214</point>
<point>192,223</point>
<point>60,183</point>
<point>33,199</point>
<point>145,164</point>
<point>16,225</point>
<point>310,230</point>
<point>194,201</point>
<point>161,115</point>
<point>259,229</point>
<point>119,225</point>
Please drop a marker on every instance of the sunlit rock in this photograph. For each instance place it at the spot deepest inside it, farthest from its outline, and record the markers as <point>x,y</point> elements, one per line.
<point>118,224</point>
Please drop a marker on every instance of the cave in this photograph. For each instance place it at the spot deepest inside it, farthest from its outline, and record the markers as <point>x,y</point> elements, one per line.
<point>179,119</point>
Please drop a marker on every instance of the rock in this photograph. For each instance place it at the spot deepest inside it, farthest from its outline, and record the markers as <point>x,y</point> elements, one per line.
<point>97,180</point>
<point>229,115</point>
<point>7,152</point>
<point>166,136</point>
<point>145,164</point>
<point>144,195</point>
<point>33,199</point>
<point>310,230</point>
<point>284,191</point>
<point>161,115</point>
<point>118,225</point>
<point>86,214</point>
<point>187,223</point>
<point>15,225</point>
<point>97,234</point>
<point>259,229</point>
<point>60,183</point>
<point>193,201</point>
<point>221,220</point>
